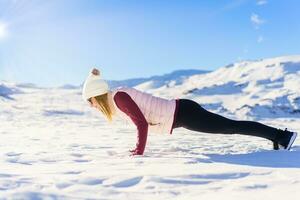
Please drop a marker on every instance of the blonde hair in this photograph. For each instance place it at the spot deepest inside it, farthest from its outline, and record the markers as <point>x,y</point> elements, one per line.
<point>102,100</point>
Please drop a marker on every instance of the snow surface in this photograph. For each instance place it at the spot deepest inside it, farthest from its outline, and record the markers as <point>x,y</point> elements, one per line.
<point>54,146</point>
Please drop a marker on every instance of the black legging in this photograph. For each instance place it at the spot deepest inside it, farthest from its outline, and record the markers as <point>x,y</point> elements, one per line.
<point>193,116</point>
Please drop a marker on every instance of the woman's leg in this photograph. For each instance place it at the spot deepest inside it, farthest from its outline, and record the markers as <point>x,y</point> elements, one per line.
<point>194,117</point>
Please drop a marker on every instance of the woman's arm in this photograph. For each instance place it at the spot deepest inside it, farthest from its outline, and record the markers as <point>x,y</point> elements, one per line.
<point>128,106</point>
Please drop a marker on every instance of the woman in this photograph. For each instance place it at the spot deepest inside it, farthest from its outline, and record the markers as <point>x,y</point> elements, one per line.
<point>155,114</point>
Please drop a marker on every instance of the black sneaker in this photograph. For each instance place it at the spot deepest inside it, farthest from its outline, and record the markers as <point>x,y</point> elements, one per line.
<point>284,140</point>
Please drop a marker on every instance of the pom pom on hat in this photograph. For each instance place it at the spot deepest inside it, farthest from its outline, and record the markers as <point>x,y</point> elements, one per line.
<point>94,85</point>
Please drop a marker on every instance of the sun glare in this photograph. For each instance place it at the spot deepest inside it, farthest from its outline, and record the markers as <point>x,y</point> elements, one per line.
<point>3,30</point>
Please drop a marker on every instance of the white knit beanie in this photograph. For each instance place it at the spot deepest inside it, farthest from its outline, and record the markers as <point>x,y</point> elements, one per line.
<point>94,85</point>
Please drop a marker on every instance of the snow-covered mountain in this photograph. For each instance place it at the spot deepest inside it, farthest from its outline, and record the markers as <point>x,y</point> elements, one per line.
<point>157,81</point>
<point>248,89</point>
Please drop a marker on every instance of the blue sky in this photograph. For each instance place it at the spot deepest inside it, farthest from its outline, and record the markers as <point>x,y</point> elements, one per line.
<point>55,42</point>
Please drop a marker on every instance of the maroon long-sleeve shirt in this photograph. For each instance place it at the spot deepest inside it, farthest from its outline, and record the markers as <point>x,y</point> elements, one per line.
<point>129,107</point>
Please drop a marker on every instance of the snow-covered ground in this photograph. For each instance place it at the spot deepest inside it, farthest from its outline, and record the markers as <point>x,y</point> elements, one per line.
<point>54,146</point>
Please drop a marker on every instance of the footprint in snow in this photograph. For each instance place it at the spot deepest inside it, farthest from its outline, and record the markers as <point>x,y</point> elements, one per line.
<point>82,160</point>
<point>13,154</point>
<point>91,181</point>
<point>72,172</point>
<point>63,185</point>
<point>79,155</point>
<point>18,161</point>
<point>6,175</point>
<point>124,183</point>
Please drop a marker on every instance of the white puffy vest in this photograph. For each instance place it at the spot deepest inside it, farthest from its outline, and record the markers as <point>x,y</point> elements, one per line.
<point>159,112</point>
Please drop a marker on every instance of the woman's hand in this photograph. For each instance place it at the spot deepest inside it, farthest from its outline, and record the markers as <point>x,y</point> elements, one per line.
<point>135,152</point>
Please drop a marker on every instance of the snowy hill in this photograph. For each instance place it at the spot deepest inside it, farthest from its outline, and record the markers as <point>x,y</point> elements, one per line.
<point>248,89</point>
<point>8,89</point>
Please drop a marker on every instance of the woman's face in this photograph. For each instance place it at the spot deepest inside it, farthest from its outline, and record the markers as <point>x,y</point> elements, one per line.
<point>93,102</point>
